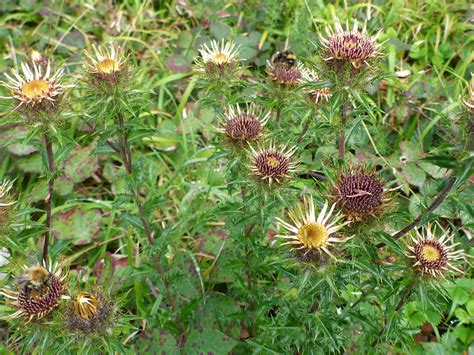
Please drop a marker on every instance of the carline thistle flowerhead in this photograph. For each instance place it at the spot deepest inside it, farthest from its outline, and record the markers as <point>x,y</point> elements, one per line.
<point>316,95</point>
<point>308,233</point>
<point>36,89</point>
<point>432,255</point>
<point>244,125</point>
<point>216,59</point>
<point>106,65</point>
<point>89,312</point>
<point>349,45</point>
<point>39,290</point>
<point>272,164</point>
<point>360,194</point>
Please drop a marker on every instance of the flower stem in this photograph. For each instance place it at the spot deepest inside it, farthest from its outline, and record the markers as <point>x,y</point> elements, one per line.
<point>342,137</point>
<point>436,202</point>
<point>305,129</point>
<point>126,155</point>
<point>248,259</point>
<point>49,198</point>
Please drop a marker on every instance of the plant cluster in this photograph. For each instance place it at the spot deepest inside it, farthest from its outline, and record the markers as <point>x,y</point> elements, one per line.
<point>257,207</point>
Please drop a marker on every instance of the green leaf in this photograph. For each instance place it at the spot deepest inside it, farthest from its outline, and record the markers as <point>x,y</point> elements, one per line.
<point>459,295</point>
<point>462,315</point>
<point>410,151</point>
<point>77,224</point>
<point>463,333</point>
<point>209,341</point>
<point>13,138</point>
<point>414,175</point>
<point>81,164</point>
<point>470,307</point>
<point>433,317</point>
<point>417,319</point>
<point>220,30</point>
<point>433,170</point>
<point>155,341</point>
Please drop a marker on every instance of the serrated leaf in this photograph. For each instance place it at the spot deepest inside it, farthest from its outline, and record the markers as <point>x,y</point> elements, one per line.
<point>433,317</point>
<point>417,319</point>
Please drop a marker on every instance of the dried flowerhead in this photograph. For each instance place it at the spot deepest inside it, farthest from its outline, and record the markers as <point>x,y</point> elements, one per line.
<point>89,313</point>
<point>218,60</point>
<point>39,290</point>
<point>106,66</point>
<point>307,233</point>
<point>272,164</point>
<point>432,255</point>
<point>360,194</point>
<point>36,90</point>
<point>244,125</point>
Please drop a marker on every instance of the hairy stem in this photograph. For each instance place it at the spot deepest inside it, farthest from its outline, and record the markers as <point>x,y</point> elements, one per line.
<point>126,155</point>
<point>49,198</point>
<point>436,202</point>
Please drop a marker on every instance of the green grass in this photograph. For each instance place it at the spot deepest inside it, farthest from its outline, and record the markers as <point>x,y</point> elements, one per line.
<point>214,281</point>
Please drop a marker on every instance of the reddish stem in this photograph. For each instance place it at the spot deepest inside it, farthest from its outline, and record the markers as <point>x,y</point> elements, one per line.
<point>49,198</point>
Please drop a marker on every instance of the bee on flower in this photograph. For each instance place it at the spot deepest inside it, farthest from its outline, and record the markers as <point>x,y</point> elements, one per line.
<point>218,60</point>
<point>244,125</point>
<point>272,164</point>
<point>284,69</point>
<point>432,255</point>
<point>39,289</point>
<point>308,232</point>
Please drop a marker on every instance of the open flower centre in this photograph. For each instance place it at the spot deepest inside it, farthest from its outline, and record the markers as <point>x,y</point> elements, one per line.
<point>35,89</point>
<point>86,305</point>
<point>313,235</point>
<point>108,66</point>
<point>430,253</point>
<point>273,161</point>
<point>220,58</point>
